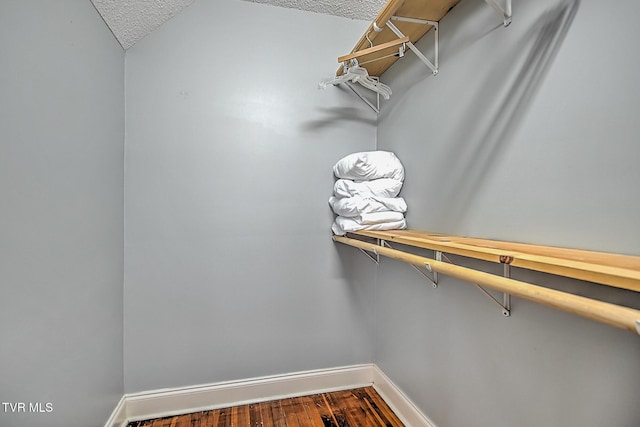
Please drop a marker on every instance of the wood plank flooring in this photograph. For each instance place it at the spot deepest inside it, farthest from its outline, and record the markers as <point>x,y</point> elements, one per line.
<point>361,407</point>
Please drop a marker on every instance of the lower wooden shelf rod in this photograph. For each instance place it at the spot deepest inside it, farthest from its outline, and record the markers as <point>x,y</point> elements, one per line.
<point>611,314</point>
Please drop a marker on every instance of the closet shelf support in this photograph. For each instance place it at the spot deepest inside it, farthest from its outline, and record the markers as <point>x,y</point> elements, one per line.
<point>638,326</point>
<point>438,255</point>
<point>505,13</point>
<point>433,66</point>
<point>373,258</point>
<point>375,107</point>
<point>506,298</point>
<point>433,279</point>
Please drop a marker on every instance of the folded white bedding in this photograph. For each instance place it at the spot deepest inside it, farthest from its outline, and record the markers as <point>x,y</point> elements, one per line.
<point>342,225</point>
<point>384,187</point>
<point>354,206</point>
<point>369,165</point>
<point>377,217</point>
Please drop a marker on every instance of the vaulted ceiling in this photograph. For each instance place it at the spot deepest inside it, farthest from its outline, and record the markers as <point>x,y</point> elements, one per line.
<point>131,20</point>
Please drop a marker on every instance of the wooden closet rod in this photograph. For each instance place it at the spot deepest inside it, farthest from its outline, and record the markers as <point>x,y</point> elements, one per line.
<point>388,10</point>
<point>373,49</point>
<point>611,314</point>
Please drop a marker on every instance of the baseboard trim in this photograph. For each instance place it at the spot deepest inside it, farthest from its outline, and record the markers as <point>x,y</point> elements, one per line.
<point>169,402</point>
<point>118,417</point>
<point>404,408</point>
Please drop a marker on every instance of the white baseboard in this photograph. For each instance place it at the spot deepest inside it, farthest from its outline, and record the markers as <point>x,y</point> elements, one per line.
<point>169,402</point>
<point>118,417</point>
<point>403,407</point>
<point>176,401</point>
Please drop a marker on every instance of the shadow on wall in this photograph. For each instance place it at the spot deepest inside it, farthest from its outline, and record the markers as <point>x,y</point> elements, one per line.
<point>337,114</point>
<point>494,127</point>
<point>331,115</point>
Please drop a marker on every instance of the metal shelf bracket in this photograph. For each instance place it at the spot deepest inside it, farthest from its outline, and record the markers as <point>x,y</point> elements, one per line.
<point>435,273</point>
<point>375,257</point>
<point>505,13</point>
<point>433,279</point>
<point>433,66</point>
<point>375,107</point>
<point>506,298</point>
<point>505,305</point>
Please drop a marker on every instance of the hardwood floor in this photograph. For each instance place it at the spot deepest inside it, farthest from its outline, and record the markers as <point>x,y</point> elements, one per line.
<point>361,407</point>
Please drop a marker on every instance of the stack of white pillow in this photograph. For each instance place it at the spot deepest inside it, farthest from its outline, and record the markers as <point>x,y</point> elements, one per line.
<point>365,196</point>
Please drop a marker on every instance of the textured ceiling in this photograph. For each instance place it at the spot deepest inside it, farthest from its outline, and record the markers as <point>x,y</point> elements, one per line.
<point>354,9</point>
<point>131,20</point>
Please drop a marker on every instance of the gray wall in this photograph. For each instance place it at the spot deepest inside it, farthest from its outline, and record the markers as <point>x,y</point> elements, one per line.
<point>230,270</point>
<point>528,133</point>
<point>61,225</point>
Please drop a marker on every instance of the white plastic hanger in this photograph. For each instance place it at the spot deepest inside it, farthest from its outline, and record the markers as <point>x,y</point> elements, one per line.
<point>354,73</point>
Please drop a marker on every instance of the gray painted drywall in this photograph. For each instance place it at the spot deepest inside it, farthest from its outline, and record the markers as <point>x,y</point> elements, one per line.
<point>527,134</point>
<point>61,215</point>
<point>230,271</point>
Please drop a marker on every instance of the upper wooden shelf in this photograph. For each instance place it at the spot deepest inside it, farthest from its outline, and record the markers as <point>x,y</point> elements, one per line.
<point>621,271</point>
<point>427,10</point>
